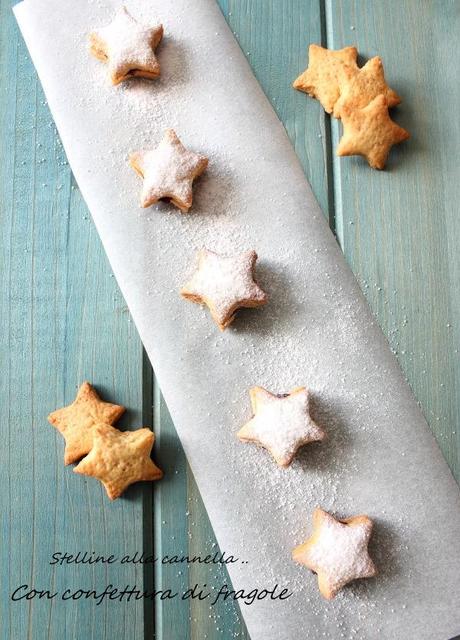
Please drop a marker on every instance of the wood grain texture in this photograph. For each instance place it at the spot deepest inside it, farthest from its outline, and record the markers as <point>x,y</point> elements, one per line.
<point>63,320</point>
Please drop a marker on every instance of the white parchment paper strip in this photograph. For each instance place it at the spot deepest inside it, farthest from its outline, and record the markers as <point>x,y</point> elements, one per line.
<point>380,458</point>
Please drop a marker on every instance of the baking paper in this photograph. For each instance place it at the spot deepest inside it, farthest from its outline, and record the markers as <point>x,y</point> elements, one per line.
<point>380,457</point>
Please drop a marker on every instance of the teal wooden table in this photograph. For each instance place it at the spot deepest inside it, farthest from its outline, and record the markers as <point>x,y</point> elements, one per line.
<point>63,319</point>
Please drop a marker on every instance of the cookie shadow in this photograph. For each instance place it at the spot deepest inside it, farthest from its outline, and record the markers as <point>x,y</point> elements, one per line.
<point>330,453</point>
<point>212,191</point>
<point>281,305</point>
<point>174,62</point>
<point>214,186</point>
<point>385,550</point>
<point>174,71</point>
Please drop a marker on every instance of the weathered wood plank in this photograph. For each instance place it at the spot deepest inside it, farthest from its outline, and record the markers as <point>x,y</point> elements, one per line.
<point>399,228</point>
<point>62,320</point>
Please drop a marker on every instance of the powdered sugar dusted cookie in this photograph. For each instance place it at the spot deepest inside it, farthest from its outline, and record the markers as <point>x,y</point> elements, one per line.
<point>337,551</point>
<point>168,172</point>
<point>327,74</point>
<point>127,47</point>
<point>281,423</point>
<point>370,132</point>
<point>224,284</point>
<point>120,458</point>
<point>366,84</point>
<point>77,421</point>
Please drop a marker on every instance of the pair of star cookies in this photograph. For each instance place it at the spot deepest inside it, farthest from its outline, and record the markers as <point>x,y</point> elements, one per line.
<point>360,97</point>
<point>337,549</point>
<point>168,171</point>
<point>116,458</point>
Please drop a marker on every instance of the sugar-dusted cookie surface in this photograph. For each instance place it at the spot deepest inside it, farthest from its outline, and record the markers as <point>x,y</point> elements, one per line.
<point>168,172</point>
<point>120,458</point>
<point>225,284</point>
<point>77,421</point>
<point>337,551</point>
<point>127,47</point>
<point>327,74</point>
<point>281,424</point>
<point>370,132</point>
<point>366,84</point>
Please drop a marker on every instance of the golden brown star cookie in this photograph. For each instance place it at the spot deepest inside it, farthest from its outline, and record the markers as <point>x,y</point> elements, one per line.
<point>337,551</point>
<point>327,74</point>
<point>127,47</point>
<point>225,284</point>
<point>120,458</point>
<point>168,172</point>
<point>281,423</point>
<point>370,132</point>
<point>366,84</point>
<point>76,421</point>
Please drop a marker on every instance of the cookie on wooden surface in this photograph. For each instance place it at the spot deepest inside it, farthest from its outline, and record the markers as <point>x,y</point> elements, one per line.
<point>127,47</point>
<point>337,551</point>
<point>366,84</point>
<point>370,132</point>
<point>77,421</point>
<point>281,423</point>
<point>120,458</point>
<point>327,74</point>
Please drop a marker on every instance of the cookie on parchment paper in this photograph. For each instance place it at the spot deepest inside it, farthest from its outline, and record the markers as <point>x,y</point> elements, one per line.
<point>281,423</point>
<point>168,172</point>
<point>337,551</point>
<point>127,47</point>
<point>225,284</point>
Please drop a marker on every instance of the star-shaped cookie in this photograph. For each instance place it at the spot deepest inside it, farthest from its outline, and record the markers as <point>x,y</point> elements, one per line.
<point>281,424</point>
<point>327,74</point>
<point>119,458</point>
<point>168,172</point>
<point>366,84</point>
<point>337,551</point>
<point>225,284</point>
<point>370,132</point>
<point>77,421</point>
<point>127,47</point>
